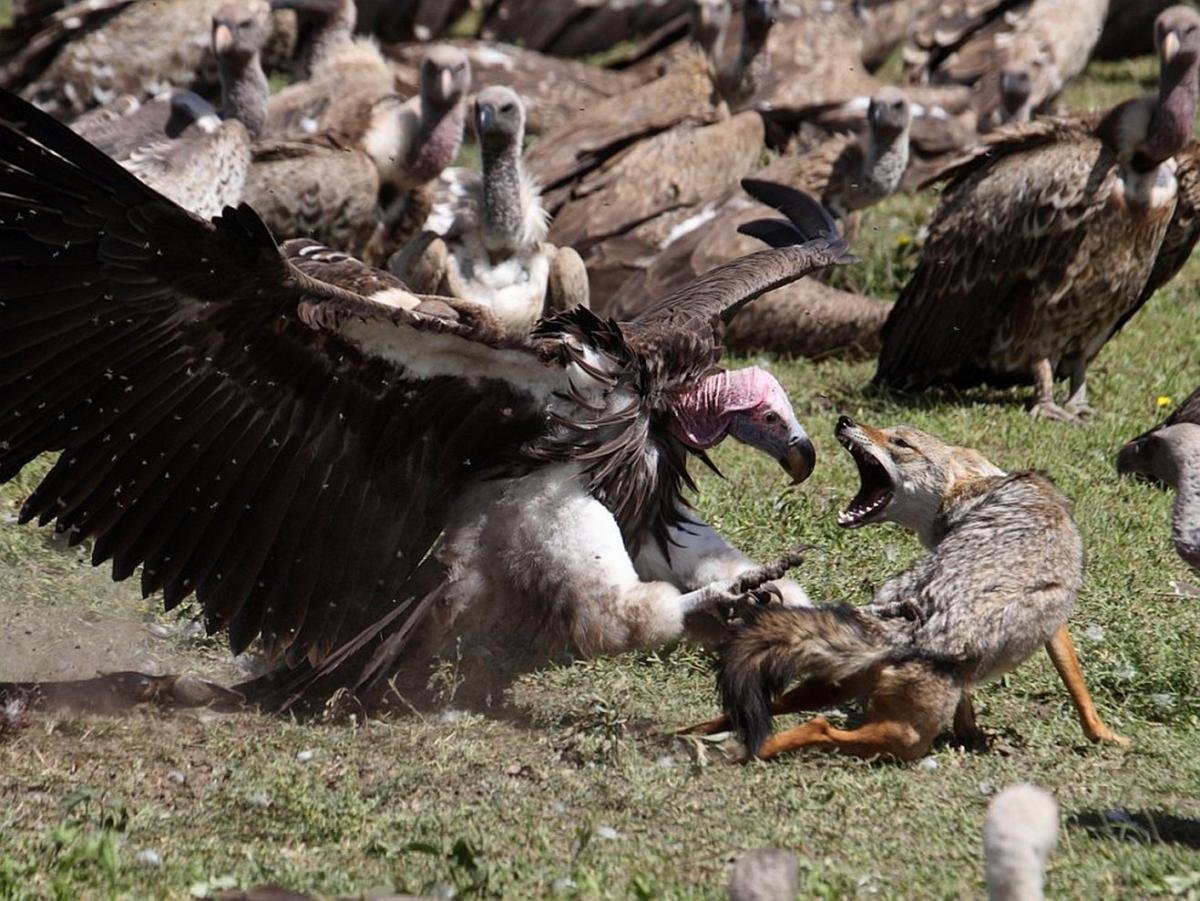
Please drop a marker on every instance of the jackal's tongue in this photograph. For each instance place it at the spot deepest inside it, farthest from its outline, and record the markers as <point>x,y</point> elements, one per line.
<point>874,494</point>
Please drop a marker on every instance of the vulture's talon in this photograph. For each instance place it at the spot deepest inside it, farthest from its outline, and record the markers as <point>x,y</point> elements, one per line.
<point>1051,411</point>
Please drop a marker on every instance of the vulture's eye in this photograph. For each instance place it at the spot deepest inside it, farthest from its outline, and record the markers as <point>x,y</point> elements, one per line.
<point>507,108</point>
<point>771,417</point>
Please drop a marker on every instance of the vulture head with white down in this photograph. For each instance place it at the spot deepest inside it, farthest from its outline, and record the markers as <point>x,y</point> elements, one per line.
<point>386,476</point>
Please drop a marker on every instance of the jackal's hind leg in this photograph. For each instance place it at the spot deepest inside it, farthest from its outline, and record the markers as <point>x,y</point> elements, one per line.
<point>1062,653</point>
<point>910,704</point>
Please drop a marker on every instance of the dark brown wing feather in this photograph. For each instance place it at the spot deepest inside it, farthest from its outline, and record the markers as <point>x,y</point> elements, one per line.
<point>205,431</point>
<point>1001,234</point>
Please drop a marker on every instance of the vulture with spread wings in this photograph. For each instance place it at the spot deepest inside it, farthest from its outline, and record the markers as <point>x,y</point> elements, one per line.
<point>340,468</point>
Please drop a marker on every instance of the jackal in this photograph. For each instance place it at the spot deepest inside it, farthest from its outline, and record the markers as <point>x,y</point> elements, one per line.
<point>1004,566</point>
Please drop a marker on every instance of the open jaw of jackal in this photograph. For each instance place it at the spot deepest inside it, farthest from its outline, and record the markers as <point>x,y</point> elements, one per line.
<point>876,488</point>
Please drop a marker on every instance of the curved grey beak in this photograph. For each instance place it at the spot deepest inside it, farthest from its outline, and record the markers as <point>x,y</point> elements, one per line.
<point>800,459</point>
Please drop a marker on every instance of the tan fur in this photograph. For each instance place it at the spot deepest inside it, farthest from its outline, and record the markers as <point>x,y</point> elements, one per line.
<point>1004,567</point>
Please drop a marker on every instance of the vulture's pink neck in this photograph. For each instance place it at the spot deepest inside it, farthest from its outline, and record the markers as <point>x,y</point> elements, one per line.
<point>1174,114</point>
<point>703,412</point>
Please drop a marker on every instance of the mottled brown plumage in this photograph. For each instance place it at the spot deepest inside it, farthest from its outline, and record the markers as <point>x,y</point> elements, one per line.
<point>306,189</point>
<point>1041,246</point>
<point>142,49</point>
<point>575,27</point>
<point>974,42</point>
<point>553,89</point>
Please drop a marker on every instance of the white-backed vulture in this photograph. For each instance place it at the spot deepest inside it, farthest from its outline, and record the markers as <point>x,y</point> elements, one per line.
<point>1042,245</point>
<point>979,44</point>
<point>688,95</point>
<point>346,77</point>
<point>1169,454</point>
<point>92,52</point>
<point>486,243</point>
<point>553,89</point>
<point>178,144</point>
<point>370,477</point>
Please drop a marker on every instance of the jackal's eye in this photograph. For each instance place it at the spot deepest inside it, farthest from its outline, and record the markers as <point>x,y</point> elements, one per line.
<point>900,442</point>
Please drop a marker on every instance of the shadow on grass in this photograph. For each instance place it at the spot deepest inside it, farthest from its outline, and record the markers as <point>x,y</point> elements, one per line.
<point>1143,827</point>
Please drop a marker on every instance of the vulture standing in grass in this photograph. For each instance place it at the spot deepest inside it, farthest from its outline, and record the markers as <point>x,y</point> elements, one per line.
<point>324,458</point>
<point>1169,454</point>
<point>984,44</point>
<point>805,318</point>
<point>1041,246</point>
<point>178,144</point>
<point>486,242</point>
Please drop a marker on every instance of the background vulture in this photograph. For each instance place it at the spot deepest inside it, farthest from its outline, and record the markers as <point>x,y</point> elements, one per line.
<point>1169,454</point>
<point>318,454</point>
<point>1044,243</point>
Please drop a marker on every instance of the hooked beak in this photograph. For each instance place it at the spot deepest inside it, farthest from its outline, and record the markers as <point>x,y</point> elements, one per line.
<point>1170,45</point>
<point>485,118</point>
<point>1129,458</point>
<point>799,459</point>
<point>222,38</point>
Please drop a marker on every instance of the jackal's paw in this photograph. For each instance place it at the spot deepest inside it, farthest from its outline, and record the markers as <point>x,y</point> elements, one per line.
<point>1053,412</point>
<point>1107,736</point>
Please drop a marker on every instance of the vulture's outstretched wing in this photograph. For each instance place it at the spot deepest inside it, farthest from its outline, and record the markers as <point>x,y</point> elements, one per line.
<point>283,447</point>
<point>1003,232</point>
<point>807,241</point>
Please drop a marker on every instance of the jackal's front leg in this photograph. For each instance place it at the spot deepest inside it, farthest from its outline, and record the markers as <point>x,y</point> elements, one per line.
<point>1062,652</point>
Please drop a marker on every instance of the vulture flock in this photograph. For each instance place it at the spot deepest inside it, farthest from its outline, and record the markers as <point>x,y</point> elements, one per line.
<point>390,329</point>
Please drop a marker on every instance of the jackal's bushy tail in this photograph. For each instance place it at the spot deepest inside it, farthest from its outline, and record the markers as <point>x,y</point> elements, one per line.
<point>776,645</point>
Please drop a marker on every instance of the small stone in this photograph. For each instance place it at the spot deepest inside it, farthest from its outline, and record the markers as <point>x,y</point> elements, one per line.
<point>1125,670</point>
<point>666,761</point>
<point>562,885</point>
<point>986,788</point>
<point>451,716</point>
<point>305,756</point>
<point>259,799</point>
<point>769,874</point>
<point>158,630</point>
<point>607,832</point>
<point>177,777</point>
<point>558,807</point>
<point>1118,816</point>
<point>928,764</point>
<point>149,857</point>
<point>1163,700</point>
<point>1094,633</point>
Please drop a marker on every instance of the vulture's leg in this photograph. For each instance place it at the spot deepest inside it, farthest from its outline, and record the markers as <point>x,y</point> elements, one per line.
<point>1044,406</point>
<point>422,263</point>
<point>699,556</point>
<point>1077,403</point>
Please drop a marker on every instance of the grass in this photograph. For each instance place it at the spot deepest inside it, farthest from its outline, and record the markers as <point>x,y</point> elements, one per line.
<point>574,788</point>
